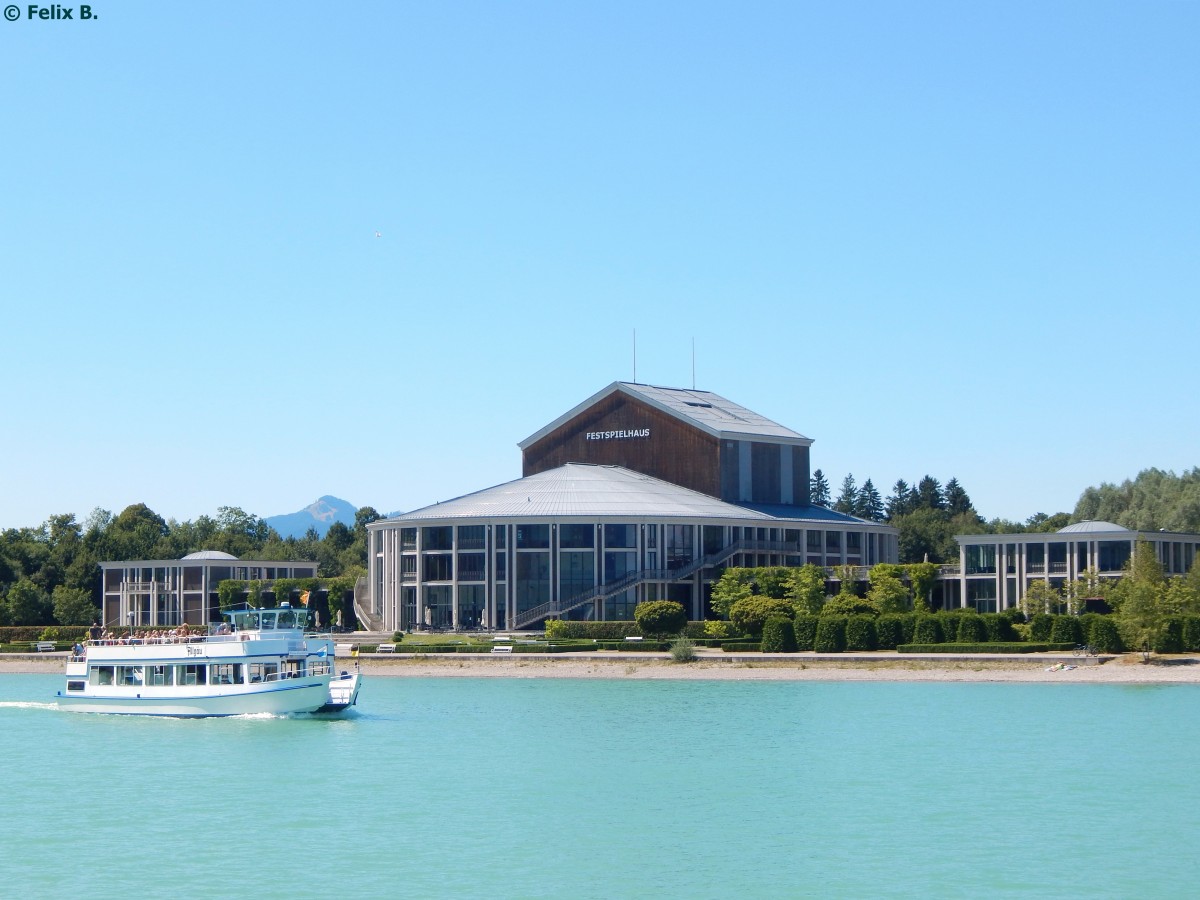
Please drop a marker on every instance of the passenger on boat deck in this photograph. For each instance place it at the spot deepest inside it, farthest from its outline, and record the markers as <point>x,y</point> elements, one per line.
<point>95,632</point>
<point>77,650</point>
<point>224,629</point>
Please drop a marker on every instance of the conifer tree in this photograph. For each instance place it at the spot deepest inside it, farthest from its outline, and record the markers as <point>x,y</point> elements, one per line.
<point>847,501</point>
<point>818,491</point>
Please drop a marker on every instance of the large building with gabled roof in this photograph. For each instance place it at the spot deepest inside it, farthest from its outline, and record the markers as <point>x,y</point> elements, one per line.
<point>638,493</point>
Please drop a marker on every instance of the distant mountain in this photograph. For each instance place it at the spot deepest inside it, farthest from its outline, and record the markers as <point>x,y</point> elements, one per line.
<point>319,515</point>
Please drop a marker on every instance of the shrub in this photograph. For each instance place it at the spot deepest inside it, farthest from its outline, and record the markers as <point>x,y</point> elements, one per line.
<point>562,629</point>
<point>397,637</point>
<point>971,629</point>
<point>715,628</point>
<point>1170,636</point>
<point>860,633</point>
<point>889,632</point>
<point>1065,630</point>
<point>1002,647</point>
<point>1040,626</point>
<point>849,605</point>
<point>659,618</point>
<point>831,635</point>
<point>683,650</point>
<point>1191,633</point>
<point>806,631</point>
<point>999,627</point>
<point>1104,636</point>
<point>779,635</point>
<point>927,630</point>
<point>908,622</point>
<point>751,613</point>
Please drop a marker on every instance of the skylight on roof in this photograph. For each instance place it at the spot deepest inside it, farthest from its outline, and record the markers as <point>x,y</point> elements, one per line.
<point>701,405</point>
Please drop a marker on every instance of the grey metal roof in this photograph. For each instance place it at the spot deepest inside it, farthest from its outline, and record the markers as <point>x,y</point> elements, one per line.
<point>1091,528</point>
<point>814,514</point>
<point>578,489</point>
<point>703,409</point>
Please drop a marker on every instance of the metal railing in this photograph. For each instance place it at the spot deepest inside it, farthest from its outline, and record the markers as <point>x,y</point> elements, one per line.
<point>603,591</point>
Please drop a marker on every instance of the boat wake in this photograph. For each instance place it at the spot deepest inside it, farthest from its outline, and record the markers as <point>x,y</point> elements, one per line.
<point>26,704</point>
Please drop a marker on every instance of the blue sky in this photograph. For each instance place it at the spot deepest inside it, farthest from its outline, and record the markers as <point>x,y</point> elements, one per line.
<point>945,238</point>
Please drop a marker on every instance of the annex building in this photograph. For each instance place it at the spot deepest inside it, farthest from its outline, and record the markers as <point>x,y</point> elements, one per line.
<point>638,493</point>
<point>170,592</point>
<point>995,570</point>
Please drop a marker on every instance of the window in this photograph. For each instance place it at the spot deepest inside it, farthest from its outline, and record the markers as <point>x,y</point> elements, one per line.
<point>408,539</point>
<point>620,537</point>
<point>472,537</point>
<point>440,538</point>
<point>438,567</point>
<point>576,536</point>
<point>471,566</point>
<point>533,537</point>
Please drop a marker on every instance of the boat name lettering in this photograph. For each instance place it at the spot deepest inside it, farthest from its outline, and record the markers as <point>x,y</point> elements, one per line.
<point>618,435</point>
<point>195,651</point>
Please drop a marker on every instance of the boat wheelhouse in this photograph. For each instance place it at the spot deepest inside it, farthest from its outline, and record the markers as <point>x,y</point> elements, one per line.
<point>260,661</point>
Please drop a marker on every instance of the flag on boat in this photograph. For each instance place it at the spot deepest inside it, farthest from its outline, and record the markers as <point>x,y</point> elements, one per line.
<point>304,599</point>
<point>324,651</point>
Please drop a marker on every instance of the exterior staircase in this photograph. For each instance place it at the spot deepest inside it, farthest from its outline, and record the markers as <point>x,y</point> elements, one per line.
<point>362,600</point>
<point>602,591</point>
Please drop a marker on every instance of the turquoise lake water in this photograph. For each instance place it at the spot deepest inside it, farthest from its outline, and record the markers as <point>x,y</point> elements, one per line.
<point>590,788</point>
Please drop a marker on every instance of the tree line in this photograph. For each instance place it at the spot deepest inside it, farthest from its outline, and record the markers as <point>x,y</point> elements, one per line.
<point>51,573</point>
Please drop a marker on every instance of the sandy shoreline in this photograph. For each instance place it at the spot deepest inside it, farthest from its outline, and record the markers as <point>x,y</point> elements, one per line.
<point>1121,670</point>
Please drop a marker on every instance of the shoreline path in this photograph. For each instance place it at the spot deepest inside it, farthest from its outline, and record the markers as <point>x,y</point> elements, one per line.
<point>1051,668</point>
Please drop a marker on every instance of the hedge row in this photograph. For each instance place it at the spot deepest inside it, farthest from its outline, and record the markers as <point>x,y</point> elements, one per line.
<point>994,647</point>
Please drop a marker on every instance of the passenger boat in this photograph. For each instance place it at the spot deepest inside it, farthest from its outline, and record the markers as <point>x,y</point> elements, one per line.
<point>259,661</point>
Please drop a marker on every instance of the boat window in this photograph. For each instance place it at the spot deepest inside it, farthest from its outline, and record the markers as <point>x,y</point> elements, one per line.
<point>268,621</point>
<point>160,676</point>
<point>191,674</point>
<point>101,674</point>
<point>226,673</point>
<point>129,675</point>
<point>74,685</point>
<point>287,619</point>
<point>260,672</point>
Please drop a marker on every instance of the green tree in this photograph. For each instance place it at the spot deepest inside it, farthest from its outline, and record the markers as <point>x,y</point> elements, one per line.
<point>1039,598</point>
<point>818,489</point>
<point>921,576</point>
<point>898,504</point>
<point>806,589</point>
<point>847,500</point>
<point>956,498</point>
<point>27,604</point>
<point>732,586</point>
<point>870,504</point>
<point>750,613</point>
<point>888,594</point>
<point>929,493</point>
<point>73,606</point>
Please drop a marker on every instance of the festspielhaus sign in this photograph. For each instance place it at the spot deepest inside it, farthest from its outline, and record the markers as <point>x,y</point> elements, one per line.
<point>618,435</point>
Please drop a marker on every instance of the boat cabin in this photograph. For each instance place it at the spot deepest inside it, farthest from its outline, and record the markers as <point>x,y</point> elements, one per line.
<point>282,618</point>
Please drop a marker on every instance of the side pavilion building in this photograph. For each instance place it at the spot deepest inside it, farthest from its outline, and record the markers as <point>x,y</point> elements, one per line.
<point>995,570</point>
<point>639,493</point>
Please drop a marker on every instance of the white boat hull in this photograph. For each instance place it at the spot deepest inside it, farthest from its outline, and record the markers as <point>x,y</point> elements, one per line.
<point>283,698</point>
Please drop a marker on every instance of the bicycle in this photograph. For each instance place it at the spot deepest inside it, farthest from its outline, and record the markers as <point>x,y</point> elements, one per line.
<point>1085,650</point>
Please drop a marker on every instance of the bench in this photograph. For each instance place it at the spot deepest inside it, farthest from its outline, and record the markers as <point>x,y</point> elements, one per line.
<point>501,637</point>
<point>502,648</point>
<point>43,646</point>
<point>633,637</point>
<point>344,649</point>
<point>386,648</point>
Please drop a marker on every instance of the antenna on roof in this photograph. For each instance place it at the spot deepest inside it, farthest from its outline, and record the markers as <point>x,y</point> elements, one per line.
<point>693,363</point>
<point>635,356</point>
